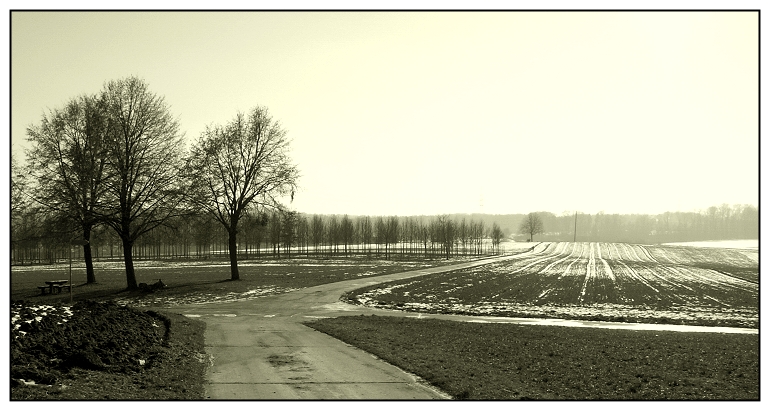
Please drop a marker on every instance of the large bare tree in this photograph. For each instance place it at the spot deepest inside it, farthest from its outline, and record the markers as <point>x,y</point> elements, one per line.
<point>67,164</point>
<point>144,150</point>
<point>242,164</point>
<point>531,224</point>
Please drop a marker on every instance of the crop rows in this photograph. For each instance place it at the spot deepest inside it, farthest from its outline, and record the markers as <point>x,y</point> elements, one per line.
<point>593,280</point>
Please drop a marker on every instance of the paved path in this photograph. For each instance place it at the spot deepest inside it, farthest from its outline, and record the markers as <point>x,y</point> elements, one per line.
<point>260,349</point>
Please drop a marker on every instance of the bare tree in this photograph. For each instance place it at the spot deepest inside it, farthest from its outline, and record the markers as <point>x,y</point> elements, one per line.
<point>380,233</point>
<point>19,203</point>
<point>67,163</point>
<point>366,231</point>
<point>317,231</point>
<point>496,234</point>
<point>424,236</point>
<point>303,233</point>
<point>532,224</point>
<point>463,233</point>
<point>240,165</point>
<point>445,233</point>
<point>408,234</point>
<point>275,233</point>
<point>143,151</point>
<point>392,228</point>
<point>346,231</point>
<point>477,232</point>
<point>203,233</point>
<point>333,233</point>
<point>289,229</point>
<point>18,187</point>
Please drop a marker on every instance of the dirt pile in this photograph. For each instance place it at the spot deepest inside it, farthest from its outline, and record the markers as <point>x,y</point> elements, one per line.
<point>48,341</point>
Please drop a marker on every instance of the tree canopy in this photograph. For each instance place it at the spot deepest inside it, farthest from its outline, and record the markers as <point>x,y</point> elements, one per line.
<point>67,163</point>
<point>531,224</point>
<point>143,151</point>
<point>240,166</point>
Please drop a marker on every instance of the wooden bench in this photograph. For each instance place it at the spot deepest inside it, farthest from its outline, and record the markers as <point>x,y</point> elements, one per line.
<point>43,289</point>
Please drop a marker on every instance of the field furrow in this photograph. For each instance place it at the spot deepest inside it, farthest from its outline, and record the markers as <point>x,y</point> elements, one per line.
<point>605,264</point>
<point>590,272</point>
<point>562,251</point>
<point>665,252</point>
<point>615,281</point>
<point>626,252</point>
<point>614,247</point>
<point>647,254</point>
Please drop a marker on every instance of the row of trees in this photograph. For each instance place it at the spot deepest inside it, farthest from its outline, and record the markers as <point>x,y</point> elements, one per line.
<point>283,233</point>
<point>117,159</point>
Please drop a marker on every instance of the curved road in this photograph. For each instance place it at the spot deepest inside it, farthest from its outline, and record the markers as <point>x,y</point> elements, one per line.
<point>259,349</point>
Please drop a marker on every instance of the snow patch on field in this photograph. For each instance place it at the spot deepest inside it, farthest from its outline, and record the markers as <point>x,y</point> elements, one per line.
<point>599,312</point>
<point>203,298</point>
<point>515,246</point>
<point>741,244</point>
<point>162,264</point>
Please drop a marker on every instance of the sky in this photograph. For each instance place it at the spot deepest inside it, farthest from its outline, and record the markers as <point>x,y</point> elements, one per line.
<point>423,113</point>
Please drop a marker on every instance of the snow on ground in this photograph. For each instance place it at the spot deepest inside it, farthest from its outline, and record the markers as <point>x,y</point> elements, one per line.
<point>601,312</point>
<point>203,298</point>
<point>749,248</point>
<point>170,264</point>
<point>740,244</point>
<point>516,246</point>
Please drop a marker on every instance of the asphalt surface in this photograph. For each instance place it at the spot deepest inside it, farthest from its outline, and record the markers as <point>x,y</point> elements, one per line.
<point>260,350</point>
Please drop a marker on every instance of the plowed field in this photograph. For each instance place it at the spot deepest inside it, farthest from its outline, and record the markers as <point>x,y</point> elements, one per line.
<point>594,281</point>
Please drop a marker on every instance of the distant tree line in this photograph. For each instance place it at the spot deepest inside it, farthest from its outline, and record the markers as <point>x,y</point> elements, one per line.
<point>723,222</point>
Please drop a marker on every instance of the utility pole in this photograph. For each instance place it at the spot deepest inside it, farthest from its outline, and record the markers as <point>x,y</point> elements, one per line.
<point>574,236</point>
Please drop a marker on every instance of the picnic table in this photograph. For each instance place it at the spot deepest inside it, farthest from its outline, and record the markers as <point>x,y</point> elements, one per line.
<point>53,285</point>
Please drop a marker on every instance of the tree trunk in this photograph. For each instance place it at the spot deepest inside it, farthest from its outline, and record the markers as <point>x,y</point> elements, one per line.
<point>129,260</point>
<point>233,246</point>
<point>90,276</point>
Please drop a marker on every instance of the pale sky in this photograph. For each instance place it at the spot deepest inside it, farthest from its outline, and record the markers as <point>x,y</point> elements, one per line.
<point>409,113</point>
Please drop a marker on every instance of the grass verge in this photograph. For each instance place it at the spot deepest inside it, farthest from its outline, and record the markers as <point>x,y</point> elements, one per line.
<point>507,361</point>
<point>93,351</point>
